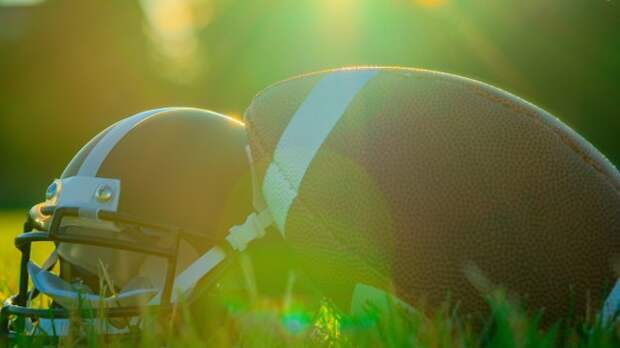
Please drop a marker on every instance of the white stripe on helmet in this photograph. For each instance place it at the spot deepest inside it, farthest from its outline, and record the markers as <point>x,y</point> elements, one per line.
<point>93,161</point>
<point>303,136</point>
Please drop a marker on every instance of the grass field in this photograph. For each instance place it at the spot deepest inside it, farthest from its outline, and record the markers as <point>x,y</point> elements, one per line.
<point>254,319</point>
<point>10,225</point>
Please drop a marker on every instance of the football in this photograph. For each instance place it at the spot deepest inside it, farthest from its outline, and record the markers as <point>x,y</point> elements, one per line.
<point>412,181</point>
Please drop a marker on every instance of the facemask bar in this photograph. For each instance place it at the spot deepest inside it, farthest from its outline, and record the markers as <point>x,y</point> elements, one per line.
<point>17,304</point>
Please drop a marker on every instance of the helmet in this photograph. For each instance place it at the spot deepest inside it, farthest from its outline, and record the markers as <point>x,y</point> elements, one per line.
<point>138,217</point>
<point>430,185</point>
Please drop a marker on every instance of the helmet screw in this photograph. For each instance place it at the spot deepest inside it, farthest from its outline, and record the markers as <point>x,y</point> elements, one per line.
<point>104,193</point>
<point>52,190</point>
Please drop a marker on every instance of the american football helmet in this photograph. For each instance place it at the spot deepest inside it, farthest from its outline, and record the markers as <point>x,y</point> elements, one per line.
<point>434,187</point>
<point>138,217</point>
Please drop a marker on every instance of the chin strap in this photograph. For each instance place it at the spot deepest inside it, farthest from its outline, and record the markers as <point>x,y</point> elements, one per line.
<point>256,223</point>
<point>253,228</point>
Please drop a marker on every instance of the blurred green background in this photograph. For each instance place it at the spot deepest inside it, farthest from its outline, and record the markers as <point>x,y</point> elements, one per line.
<point>70,68</point>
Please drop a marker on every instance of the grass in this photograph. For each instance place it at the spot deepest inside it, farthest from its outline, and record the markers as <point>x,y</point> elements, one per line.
<point>250,316</point>
<point>11,225</point>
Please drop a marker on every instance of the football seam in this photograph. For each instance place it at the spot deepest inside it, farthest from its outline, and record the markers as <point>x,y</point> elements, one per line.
<point>478,90</point>
<point>562,137</point>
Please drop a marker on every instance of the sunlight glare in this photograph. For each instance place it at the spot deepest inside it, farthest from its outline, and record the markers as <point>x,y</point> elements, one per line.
<point>430,3</point>
<point>172,26</point>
